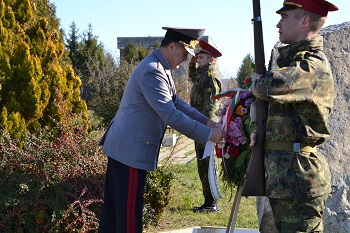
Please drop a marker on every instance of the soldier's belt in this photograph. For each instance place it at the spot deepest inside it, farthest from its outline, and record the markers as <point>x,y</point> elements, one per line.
<point>289,147</point>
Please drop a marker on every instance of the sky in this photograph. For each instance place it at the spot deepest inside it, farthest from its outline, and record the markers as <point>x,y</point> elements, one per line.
<point>227,22</point>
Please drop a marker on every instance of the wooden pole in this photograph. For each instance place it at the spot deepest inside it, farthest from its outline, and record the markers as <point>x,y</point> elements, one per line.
<point>234,211</point>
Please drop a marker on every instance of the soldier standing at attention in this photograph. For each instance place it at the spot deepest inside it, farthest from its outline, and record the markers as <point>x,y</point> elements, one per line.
<point>300,96</point>
<point>206,83</point>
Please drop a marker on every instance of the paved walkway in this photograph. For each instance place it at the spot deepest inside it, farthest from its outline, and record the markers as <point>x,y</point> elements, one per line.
<point>182,153</point>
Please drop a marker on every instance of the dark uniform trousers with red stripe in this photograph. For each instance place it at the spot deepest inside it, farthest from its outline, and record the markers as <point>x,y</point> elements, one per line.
<point>123,200</point>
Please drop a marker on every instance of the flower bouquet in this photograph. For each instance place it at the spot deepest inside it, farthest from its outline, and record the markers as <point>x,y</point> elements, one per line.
<point>235,119</point>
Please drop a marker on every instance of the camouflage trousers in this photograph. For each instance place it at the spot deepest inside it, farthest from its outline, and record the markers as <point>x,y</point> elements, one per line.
<point>203,165</point>
<point>297,215</point>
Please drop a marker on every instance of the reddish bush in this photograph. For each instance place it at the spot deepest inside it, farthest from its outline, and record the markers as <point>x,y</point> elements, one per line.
<point>51,185</point>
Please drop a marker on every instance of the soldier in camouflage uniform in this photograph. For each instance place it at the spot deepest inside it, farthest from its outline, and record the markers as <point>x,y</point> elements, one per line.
<point>300,96</point>
<point>206,83</point>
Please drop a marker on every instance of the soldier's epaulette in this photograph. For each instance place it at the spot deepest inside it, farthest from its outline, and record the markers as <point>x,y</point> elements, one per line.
<point>301,55</point>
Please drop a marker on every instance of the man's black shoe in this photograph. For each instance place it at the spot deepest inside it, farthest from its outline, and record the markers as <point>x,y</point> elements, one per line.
<point>206,208</point>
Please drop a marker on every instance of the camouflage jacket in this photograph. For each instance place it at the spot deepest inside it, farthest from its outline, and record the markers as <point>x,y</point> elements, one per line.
<point>206,83</point>
<point>300,95</point>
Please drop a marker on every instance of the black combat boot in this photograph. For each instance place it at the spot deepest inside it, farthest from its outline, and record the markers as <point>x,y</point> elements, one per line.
<point>207,207</point>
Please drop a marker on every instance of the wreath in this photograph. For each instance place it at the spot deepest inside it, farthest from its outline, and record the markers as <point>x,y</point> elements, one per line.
<point>236,120</point>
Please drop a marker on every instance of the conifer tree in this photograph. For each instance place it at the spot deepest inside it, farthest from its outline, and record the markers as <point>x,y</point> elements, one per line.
<point>32,69</point>
<point>86,55</point>
<point>131,53</point>
<point>72,44</point>
<point>135,54</point>
<point>244,71</point>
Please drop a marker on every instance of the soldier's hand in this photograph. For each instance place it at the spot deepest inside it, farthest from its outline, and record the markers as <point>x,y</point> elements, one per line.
<point>217,135</point>
<point>212,124</point>
<point>253,139</point>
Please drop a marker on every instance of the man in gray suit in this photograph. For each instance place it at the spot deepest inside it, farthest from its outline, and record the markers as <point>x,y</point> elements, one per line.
<point>133,139</point>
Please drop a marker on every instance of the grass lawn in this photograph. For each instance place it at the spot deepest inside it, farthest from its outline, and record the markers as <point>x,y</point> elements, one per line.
<point>186,193</point>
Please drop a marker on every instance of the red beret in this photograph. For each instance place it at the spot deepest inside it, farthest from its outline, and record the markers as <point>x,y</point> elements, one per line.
<point>204,47</point>
<point>320,7</point>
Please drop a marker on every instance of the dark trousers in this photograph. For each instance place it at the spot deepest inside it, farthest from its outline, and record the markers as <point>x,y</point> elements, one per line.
<point>123,199</point>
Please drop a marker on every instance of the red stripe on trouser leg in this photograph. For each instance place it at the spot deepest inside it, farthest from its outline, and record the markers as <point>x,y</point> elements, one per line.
<point>131,204</point>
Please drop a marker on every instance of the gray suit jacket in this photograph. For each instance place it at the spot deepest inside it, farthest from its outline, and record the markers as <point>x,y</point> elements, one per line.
<point>148,105</point>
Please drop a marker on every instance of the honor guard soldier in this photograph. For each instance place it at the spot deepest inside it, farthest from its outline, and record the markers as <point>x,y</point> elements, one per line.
<point>300,95</point>
<point>206,83</point>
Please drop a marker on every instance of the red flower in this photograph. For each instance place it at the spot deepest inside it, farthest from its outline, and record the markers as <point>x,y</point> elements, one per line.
<point>233,151</point>
<point>218,151</point>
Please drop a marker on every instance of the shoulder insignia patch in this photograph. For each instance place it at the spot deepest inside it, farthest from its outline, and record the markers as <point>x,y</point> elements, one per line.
<point>209,89</point>
<point>282,68</point>
<point>300,54</point>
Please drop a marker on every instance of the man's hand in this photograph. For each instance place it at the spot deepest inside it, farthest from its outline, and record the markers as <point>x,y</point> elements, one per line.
<point>253,139</point>
<point>212,124</point>
<point>217,135</point>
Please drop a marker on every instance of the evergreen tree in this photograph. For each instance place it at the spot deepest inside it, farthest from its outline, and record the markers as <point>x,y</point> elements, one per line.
<point>90,57</point>
<point>135,54</point>
<point>73,44</point>
<point>31,70</point>
<point>244,71</point>
<point>130,54</point>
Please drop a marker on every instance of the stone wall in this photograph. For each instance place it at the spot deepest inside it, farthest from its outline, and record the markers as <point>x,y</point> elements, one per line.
<point>337,148</point>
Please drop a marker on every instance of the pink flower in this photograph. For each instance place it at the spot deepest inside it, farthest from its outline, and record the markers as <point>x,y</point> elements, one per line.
<point>243,140</point>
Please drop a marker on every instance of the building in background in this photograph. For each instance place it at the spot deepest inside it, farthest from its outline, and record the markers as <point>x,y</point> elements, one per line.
<point>148,42</point>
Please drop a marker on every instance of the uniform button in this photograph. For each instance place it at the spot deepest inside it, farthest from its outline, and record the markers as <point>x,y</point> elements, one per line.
<point>147,143</point>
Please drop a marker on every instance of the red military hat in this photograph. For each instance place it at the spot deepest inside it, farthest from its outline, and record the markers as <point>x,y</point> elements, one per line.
<point>320,7</point>
<point>204,47</point>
